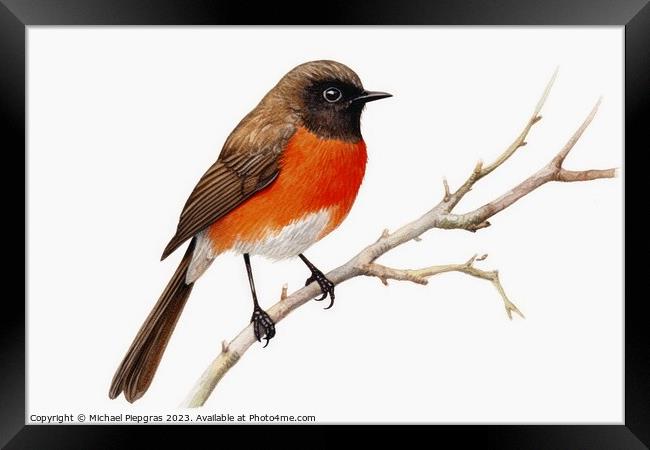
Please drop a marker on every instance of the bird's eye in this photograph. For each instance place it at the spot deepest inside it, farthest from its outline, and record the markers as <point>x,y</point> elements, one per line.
<point>332,94</point>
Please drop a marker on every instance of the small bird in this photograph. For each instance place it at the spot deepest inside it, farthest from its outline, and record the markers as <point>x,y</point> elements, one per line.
<point>286,176</point>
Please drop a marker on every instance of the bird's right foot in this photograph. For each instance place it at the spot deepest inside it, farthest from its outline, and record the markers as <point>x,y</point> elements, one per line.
<point>263,325</point>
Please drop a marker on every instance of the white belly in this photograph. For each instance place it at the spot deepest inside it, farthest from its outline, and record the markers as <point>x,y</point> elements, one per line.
<point>290,241</point>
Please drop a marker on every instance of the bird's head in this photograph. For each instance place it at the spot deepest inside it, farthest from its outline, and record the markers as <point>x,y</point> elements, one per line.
<point>328,98</point>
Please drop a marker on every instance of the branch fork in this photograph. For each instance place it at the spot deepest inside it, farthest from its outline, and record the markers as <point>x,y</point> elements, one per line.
<point>440,216</point>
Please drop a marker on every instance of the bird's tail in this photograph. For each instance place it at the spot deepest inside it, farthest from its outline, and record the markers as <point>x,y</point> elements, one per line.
<point>139,365</point>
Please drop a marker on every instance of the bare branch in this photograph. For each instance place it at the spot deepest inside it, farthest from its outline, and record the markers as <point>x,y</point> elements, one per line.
<point>553,171</point>
<point>585,175</point>
<point>480,171</point>
<point>420,276</point>
<point>521,139</point>
<point>559,159</point>
<point>440,216</point>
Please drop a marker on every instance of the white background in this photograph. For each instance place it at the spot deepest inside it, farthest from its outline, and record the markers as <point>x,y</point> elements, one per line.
<point>123,122</point>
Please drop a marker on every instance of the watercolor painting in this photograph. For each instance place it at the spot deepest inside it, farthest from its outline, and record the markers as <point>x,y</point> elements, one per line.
<point>313,169</point>
<point>288,176</point>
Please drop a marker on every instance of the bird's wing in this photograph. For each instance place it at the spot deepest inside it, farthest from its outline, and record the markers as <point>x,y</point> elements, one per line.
<point>248,163</point>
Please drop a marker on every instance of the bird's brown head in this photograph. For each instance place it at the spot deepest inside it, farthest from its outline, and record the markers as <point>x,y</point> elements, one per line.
<point>327,97</point>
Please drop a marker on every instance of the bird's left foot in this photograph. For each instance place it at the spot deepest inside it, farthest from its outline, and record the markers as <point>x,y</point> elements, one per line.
<point>263,325</point>
<point>326,286</point>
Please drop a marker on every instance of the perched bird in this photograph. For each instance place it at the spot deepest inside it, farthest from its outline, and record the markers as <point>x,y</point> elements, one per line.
<point>287,176</point>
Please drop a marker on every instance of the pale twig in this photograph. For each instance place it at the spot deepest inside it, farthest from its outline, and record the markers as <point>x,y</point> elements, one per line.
<point>520,141</point>
<point>445,184</point>
<point>553,171</point>
<point>481,171</point>
<point>420,276</point>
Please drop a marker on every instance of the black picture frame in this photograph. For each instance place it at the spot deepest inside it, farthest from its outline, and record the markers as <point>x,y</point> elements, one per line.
<point>16,15</point>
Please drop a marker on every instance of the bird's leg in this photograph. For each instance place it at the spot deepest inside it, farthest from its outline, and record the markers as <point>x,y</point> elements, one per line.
<point>326,286</point>
<point>263,326</point>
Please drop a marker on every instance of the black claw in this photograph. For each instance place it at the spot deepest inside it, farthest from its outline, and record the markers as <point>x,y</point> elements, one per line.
<point>263,326</point>
<point>326,286</point>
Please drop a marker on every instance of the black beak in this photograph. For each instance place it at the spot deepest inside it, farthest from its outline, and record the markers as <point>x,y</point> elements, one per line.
<point>370,96</point>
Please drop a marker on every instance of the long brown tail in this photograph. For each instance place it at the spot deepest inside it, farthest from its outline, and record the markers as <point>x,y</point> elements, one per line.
<point>139,365</point>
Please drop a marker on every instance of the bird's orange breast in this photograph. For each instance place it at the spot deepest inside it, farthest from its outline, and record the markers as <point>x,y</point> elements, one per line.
<point>315,175</point>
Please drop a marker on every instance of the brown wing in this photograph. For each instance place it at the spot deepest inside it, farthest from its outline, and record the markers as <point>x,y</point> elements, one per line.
<point>247,164</point>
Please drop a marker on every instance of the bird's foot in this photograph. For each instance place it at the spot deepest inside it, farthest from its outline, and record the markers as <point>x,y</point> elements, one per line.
<point>326,286</point>
<point>263,326</point>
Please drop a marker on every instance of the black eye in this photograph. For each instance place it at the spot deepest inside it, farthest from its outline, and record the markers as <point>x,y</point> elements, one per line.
<point>332,94</point>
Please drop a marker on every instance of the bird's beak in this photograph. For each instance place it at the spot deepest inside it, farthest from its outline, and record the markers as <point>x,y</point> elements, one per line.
<point>370,96</point>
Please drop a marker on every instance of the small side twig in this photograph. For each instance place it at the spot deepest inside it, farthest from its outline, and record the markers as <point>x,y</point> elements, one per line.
<point>421,276</point>
<point>447,192</point>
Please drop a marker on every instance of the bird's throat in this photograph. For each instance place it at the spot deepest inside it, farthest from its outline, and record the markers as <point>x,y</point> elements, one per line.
<point>341,125</point>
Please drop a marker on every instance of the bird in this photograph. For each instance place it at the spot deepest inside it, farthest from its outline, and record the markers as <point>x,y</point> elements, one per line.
<point>286,176</point>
